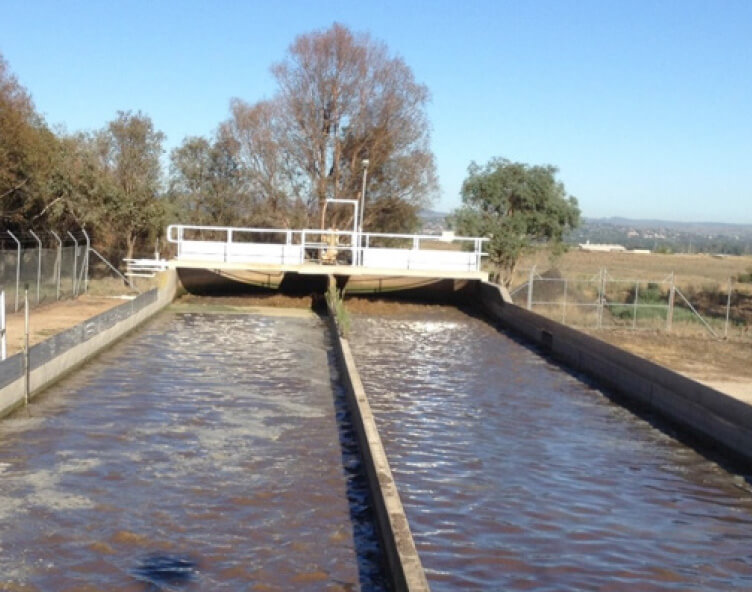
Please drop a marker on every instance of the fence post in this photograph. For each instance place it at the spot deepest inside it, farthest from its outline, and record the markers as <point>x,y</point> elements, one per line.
<point>671,302</point>
<point>600,309</point>
<point>27,369</point>
<point>729,302</point>
<point>635,306</point>
<point>58,263</point>
<point>3,346</point>
<point>86,261</point>
<point>564,302</point>
<point>39,262</point>
<point>529,302</point>
<point>75,258</point>
<point>18,269</point>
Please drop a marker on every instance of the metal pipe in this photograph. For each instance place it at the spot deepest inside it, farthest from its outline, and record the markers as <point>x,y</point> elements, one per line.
<point>18,269</point>
<point>354,239</point>
<point>39,261</point>
<point>111,266</point>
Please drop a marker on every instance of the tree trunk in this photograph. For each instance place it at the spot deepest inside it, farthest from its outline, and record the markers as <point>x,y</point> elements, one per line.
<point>130,244</point>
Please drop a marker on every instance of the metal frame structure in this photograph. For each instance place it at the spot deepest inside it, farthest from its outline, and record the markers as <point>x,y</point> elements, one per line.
<point>300,247</point>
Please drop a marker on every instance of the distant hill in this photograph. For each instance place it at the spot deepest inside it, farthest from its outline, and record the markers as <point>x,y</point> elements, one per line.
<point>666,235</point>
<point>695,227</point>
<point>657,235</point>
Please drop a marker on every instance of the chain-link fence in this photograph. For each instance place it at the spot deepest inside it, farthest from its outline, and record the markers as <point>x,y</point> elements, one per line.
<point>604,302</point>
<point>49,265</point>
<point>13,368</point>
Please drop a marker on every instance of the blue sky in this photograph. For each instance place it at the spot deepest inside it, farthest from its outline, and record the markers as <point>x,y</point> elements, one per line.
<point>645,107</point>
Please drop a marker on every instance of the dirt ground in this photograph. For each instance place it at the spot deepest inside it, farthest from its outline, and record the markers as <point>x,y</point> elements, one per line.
<point>53,318</point>
<point>690,270</point>
<point>724,365</point>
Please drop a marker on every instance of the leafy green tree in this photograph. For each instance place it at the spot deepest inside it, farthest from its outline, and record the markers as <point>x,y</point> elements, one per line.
<point>205,182</point>
<point>130,149</point>
<point>515,205</point>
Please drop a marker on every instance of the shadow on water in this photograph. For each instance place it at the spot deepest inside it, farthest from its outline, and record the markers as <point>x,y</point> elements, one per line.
<point>705,448</point>
<point>369,553</point>
<point>160,572</point>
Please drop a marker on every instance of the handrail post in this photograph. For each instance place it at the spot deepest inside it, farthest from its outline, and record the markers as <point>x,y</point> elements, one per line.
<point>75,258</point>
<point>355,240</point>
<point>18,268</point>
<point>58,263</point>
<point>39,261</point>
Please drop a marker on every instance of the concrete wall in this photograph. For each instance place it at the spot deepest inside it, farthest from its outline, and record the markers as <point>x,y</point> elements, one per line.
<point>404,564</point>
<point>720,421</point>
<point>56,356</point>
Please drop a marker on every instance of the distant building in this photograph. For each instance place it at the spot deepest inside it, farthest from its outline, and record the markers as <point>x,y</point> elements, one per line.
<point>603,248</point>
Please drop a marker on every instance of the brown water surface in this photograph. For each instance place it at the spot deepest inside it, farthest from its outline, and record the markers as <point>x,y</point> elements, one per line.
<point>202,453</point>
<point>517,476</point>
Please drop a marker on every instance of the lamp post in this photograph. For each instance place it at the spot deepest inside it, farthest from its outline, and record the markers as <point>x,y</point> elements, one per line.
<point>365,165</point>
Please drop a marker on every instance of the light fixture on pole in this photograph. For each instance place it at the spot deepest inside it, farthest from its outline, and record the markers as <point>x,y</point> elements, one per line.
<point>365,165</point>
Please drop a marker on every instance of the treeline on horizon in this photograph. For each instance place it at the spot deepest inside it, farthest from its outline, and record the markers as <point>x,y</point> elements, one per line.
<point>342,99</point>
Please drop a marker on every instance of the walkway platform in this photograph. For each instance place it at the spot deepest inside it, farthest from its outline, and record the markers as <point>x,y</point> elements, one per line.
<point>211,259</point>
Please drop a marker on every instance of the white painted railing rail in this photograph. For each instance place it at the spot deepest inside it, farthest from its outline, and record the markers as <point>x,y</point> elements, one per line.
<point>279,246</point>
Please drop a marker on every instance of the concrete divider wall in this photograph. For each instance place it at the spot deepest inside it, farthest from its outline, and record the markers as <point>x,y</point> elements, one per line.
<point>404,564</point>
<point>55,356</point>
<point>714,417</point>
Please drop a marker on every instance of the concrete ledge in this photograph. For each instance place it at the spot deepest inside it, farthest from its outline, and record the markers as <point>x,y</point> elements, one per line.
<point>58,355</point>
<point>404,564</point>
<point>715,418</point>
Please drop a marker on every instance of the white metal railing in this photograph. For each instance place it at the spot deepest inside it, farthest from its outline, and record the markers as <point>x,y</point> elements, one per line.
<point>278,246</point>
<point>144,267</point>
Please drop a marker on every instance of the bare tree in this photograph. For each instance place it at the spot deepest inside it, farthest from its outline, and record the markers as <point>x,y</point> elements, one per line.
<point>271,183</point>
<point>342,99</point>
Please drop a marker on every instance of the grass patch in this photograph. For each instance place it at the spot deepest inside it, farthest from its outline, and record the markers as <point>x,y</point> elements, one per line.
<point>337,305</point>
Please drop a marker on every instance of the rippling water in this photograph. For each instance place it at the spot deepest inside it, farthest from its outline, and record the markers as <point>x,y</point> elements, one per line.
<point>202,453</point>
<point>517,476</point>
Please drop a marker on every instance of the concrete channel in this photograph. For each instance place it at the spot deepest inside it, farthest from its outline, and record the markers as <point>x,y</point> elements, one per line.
<point>212,450</point>
<point>517,474</point>
<point>719,421</point>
